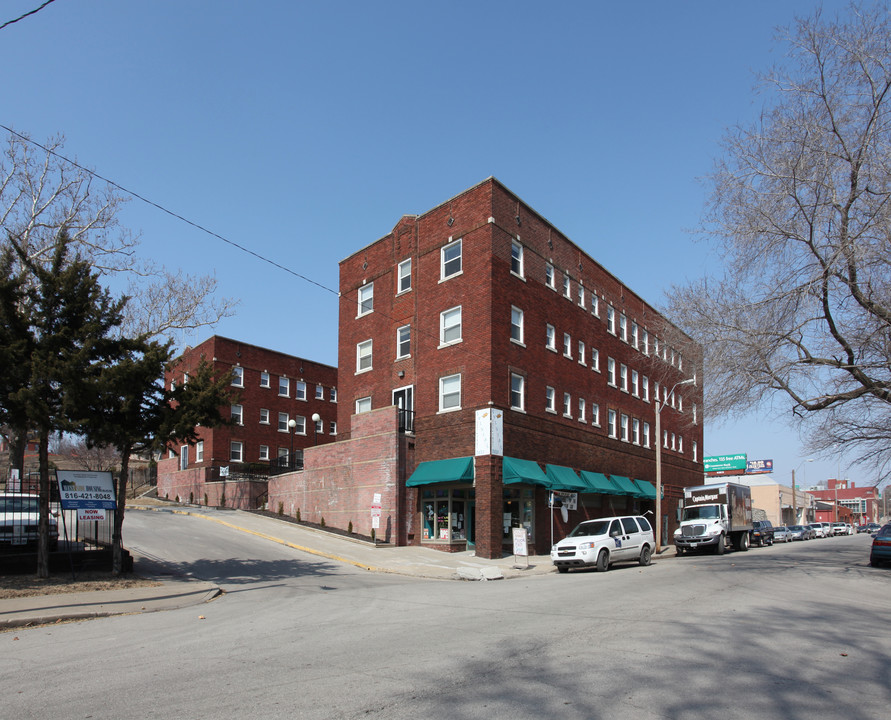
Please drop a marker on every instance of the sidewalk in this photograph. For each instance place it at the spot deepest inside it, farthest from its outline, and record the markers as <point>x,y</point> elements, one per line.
<point>174,593</point>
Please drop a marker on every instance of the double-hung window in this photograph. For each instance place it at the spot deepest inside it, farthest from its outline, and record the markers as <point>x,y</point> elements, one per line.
<point>624,427</point>
<point>611,372</point>
<point>451,259</point>
<point>595,359</point>
<point>236,451</point>
<point>366,299</point>
<point>237,376</point>
<point>300,426</point>
<point>404,277</point>
<point>264,416</point>
<point>284,387</point>
<point>403,342</point>
<point>320,392</point>
<point>610,319</point>
<point>635,431</point>
<point>581,295</point>
<point>581,352</point>
<point>635,383</point>
<point>516,325</point>
<point>581,409</point>
<point>611,423</point>
<point>550,400</point>
<point>283,422</point>
<point>567,405</point>
<point>517,391</point>
<point>363,356</point>
<point>516,258</point>
<point>450,393</point>
<point>595,414</point>
<point>567,345</point>
<point>450,326</point>
<point>199,451</point>
<point>595,304</point>
<point>363,405</point>
<point>237,415</point>
<point>623,327</point>
<point>264,452</point>
<point>300,390</point>
<point>550,279</point>
<point>551,341</point>
<point>635,335</point>
<point>645,388</point>
<point>264,379</point>
<point>332,394</point>
<point>645,342</point>
<point>567,290</point>
<point>646,434</point>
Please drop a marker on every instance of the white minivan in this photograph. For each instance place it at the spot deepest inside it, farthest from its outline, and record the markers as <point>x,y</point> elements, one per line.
<point>604,541</point>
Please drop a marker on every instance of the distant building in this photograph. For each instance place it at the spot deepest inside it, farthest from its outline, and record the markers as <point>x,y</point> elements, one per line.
<point>863,503</point>
<point>277,396</point>
<point>781,504</point>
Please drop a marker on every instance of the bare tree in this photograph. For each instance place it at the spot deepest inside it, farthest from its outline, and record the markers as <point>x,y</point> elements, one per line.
<point>40,193</point>
<point>800,210</point>
<point>99,458</point>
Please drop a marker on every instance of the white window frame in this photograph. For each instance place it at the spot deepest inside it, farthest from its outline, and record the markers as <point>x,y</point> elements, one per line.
<point>517,392</point>
<point>635,383</point>
<point>451,261</point>
<point>635,431</point>
<point>595,304</point>
<point>645,343</point>
<point>236,451</point>
<point>237,376</point>
<point>610,319</point>
<point>332,427</point>
<point>567,286</point>
<point>646,434</point>
<point>361,405</point>
<point>516,326</point>
<point>447,316</point>
<point>550,277</point>
<point>332,394</point>
<point>595,414</point>
<point>567,345</point>
<point>264,452</point>
<point>183,457</point>
<point>365,296</point>
<point>403,342</point>
<point>695,451</point>
<point>450,392</point>
<point>403,273</point>
<point>567,405</point>
<point>582,410</point>
<point>550,337</point>
<point>199,451</point>
<point>581,295</point>
<point>645,388</point>
<point>623,327</point>
<point>516,259</point>
<point>299,425</point>
<point>320,392</point>
<point>284,384</point>
<point>550,400</point>
<point>623,376</point>
<point>611,372</point>
<point>612,425</point>
<point>625,427</point>
<point>364,356</point>
<point>264,416</point>
<point>237,414</point>
<point>320,426</point>
<point>264,379</point>
<point>581,348</point>
<point>595,359</point>
<point>283,419</point>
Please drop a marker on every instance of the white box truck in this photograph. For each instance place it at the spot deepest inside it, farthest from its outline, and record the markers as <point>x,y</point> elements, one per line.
<point>713,516</point>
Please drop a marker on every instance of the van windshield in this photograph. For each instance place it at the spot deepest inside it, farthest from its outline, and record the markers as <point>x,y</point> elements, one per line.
<point>706,512</point>
<point>595,527</point>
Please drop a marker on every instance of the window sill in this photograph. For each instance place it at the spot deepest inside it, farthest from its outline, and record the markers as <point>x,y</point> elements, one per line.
<point>518,342</point>
<point>518,276</point>
<point>551,411</point>
<point>449,344</point>
<point>552,349</point>
<point>362,372</point>
<point>447,410</point>
<point>450,277</point>
<point>519,410</point>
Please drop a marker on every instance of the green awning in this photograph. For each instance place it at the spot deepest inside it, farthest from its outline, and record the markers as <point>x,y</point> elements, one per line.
<point>647,489</point>
<point>442,471</point>
<point>598,483</point>
<point>564,478</point>
<point>626,487</point>
<point>514,470</point>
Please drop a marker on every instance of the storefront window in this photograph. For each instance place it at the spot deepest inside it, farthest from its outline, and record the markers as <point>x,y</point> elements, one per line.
<point>518,512</point>
<point>445,515</point>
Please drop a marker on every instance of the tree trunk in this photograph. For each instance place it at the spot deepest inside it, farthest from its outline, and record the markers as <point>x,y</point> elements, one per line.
<point>44,495</point>
<point>117,536</point>
<point>18,442</point>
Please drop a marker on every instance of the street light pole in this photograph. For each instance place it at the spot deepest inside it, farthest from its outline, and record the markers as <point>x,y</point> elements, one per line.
<point>315,422</point>
<point>658,408</point>
<point>292,423</point>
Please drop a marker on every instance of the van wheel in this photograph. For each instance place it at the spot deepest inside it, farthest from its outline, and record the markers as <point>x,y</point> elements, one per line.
<point>645,555</point>
<point>719,548</point>
<point>603,561</point>
<point>562,569</point>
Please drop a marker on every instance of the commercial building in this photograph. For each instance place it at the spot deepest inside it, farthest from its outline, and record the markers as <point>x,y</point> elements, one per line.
<point>283,405</point>
<point>861,502</point>
<point>485,360</point>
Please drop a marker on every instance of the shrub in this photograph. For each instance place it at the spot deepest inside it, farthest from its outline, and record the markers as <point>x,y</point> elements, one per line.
<point>297,515</point>
<point>372,534</point>
<point>281,508</point>
<point>223,499</point>
<point>177,499</point>
<point>350,528</point>
<point>191,498</point>
<point>205,498</point>
<point>322,522</point>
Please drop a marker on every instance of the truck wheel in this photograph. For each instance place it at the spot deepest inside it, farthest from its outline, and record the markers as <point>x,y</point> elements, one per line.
<point>603,561</point>
<point>743,543</point>
<point>678,550</point>
<point>645,555</point>
<point>719,549</point>
<point>562,569</point>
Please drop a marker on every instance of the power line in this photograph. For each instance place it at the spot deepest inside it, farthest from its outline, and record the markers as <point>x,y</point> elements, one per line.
<point>163,209</point>
<point>22,17</point>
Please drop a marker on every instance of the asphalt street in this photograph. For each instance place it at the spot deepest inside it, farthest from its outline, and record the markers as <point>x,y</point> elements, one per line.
<point>796,631</point>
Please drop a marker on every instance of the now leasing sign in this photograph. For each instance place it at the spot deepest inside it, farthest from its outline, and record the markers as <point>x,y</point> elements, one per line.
<point>86,490</point>
<point>721,463</point>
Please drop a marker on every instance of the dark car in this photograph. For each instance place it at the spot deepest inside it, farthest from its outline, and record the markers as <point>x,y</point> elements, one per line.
<point>881,546</point>
<point>762,533</point>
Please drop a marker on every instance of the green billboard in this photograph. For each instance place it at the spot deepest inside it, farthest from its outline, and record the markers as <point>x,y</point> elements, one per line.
<point>722,463</point>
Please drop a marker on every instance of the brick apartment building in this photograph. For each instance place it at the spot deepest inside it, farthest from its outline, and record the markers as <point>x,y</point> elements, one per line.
<point>277,397</point>
<point>516,365</point>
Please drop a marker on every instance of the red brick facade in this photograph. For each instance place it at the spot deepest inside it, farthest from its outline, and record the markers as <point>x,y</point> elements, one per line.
<point>267,383</point>
<point>489,222</point>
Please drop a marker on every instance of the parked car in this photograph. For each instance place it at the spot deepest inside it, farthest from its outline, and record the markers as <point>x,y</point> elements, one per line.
<point>818,529</point>
<point>782,534</point>
<point>839,528</point>
<point>827,529</point>
<point>762,533</point>
<point>605,541</point>
<point>19,517</point>
<point>872,528</point>
<point>881,546</point>
<point>849,528</point>
<point>799,532</point>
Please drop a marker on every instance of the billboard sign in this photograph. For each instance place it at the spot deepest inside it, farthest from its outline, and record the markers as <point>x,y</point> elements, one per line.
<point>723,463</point>
<point>754,467</point>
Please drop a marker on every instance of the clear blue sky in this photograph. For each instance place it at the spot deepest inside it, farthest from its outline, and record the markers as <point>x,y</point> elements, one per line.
<point>306,130</point>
